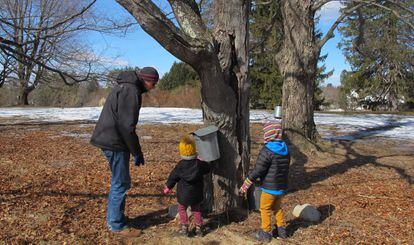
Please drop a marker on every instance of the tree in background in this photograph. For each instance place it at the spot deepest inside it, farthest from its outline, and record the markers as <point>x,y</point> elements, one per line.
<point>55,93</point>
<point>265,40</point>
<point>38,34</point>
<point>217,49</point>
<point>44,35</point>
<point>179,74</point>
<point>318,98</point>
<point>298,58</point>
<point>379,46</point>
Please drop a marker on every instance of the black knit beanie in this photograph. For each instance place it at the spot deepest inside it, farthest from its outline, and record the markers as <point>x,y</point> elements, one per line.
<point>149,74</point>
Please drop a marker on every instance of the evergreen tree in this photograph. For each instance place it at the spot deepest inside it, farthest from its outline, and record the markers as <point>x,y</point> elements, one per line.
<point>319,99</point>
<point>179,74</point>
<point>266,38</point>
<point>379,46</point>
<point>265,20</point>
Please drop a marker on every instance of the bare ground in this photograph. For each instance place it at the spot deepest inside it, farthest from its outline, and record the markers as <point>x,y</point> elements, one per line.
<point>54,186</point>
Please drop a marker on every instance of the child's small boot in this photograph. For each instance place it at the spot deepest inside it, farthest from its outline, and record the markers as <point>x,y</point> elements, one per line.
<point>199,231</point>
<point>281,232</point>
<point>183,231</point>
<point>263,236</point>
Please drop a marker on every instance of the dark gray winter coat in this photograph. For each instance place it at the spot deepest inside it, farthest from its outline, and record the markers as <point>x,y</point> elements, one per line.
<point>189,175</point>
<point>115,129</point>
<point>272,169</point>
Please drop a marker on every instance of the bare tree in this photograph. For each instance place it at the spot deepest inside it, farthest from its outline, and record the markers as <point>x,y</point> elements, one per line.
<point>39,35</point>
<point>298,57</point>
<point>218,52</point>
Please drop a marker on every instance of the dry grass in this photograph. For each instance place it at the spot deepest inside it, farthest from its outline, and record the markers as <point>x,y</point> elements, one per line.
<point>183,97</point>
<point>54,187</point>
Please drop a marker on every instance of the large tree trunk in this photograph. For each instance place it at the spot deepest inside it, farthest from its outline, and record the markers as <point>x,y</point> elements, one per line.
<point>298,65</point>
<point>24,97</point>
<point>220,58</point>
<point>222,108</point>
<point>225,100</point>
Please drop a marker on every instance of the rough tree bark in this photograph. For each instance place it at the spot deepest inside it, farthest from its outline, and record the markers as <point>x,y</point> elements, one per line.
<point>220,57</point>
<point>297,61</point>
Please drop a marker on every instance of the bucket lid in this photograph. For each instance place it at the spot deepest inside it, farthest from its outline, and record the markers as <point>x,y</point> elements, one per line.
<point>206,131</point>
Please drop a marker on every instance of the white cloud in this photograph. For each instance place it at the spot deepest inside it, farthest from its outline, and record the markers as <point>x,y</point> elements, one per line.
<point>113,61</point>
<point>104,60</point>
<point>330,11</point>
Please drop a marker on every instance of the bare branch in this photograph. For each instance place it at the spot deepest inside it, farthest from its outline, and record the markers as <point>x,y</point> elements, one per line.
<point>60,23</point>
<point>369,2</point>
<point>330,33</point>
<point>26,59</point>
<point>156,24</point>
<point>402,6</point>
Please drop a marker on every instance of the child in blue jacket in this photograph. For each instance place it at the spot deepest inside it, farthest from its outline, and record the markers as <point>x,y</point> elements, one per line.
<point>272,168</point>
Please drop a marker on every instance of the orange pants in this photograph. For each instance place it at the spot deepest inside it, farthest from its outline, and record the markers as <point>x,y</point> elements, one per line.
<point>270,206</point>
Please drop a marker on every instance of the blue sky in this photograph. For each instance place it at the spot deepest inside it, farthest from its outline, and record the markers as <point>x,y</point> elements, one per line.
<point>137,48</point>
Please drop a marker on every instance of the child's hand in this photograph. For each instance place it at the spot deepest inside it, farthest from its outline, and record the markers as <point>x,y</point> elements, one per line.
<point>246,184</point>
<point>166,190</point>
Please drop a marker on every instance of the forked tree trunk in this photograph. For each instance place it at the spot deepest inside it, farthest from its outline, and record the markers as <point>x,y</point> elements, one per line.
<point>220,57</point>
<point>221,107</point>
<point>225,100</point>
<point>298,64</point>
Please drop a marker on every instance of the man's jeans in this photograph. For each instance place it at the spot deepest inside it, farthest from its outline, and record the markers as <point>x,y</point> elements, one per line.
<point>120,184</point>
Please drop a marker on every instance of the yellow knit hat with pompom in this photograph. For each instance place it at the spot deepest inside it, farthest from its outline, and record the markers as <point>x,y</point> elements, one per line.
<point>187,147</point>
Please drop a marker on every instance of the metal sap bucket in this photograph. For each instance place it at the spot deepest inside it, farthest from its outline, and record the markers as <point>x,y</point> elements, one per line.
<point>207,143</point>
<point>253,197</point>
<point>278,111</point>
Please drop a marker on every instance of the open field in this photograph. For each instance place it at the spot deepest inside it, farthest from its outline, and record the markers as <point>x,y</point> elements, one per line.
<point>54,186</point>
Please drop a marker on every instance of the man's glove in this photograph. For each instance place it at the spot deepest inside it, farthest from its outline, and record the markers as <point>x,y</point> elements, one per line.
<point>246,184</point>
<point>166,190</point>
<point>139,159</point>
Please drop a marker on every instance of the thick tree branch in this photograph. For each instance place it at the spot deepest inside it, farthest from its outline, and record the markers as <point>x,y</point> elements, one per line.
<point>188,16</point>
<point>156,24</point>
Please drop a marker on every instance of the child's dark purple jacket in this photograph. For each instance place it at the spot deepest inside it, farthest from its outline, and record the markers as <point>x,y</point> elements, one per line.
<point>189,176</point>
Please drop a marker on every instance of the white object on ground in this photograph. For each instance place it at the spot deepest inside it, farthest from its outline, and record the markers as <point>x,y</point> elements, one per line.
<point>307,212</point>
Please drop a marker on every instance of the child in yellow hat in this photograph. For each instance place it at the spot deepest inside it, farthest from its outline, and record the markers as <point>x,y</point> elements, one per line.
<point>188,173</point>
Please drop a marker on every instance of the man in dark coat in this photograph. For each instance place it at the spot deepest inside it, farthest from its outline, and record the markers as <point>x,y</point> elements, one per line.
<point>115,135</point>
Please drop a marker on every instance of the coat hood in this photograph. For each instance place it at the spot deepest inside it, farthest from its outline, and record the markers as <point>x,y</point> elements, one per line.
<point>278,147</point>
<point>132,78</point>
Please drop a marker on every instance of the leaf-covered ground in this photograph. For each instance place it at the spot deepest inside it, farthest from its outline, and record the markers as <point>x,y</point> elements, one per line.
<point>54,184</point>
